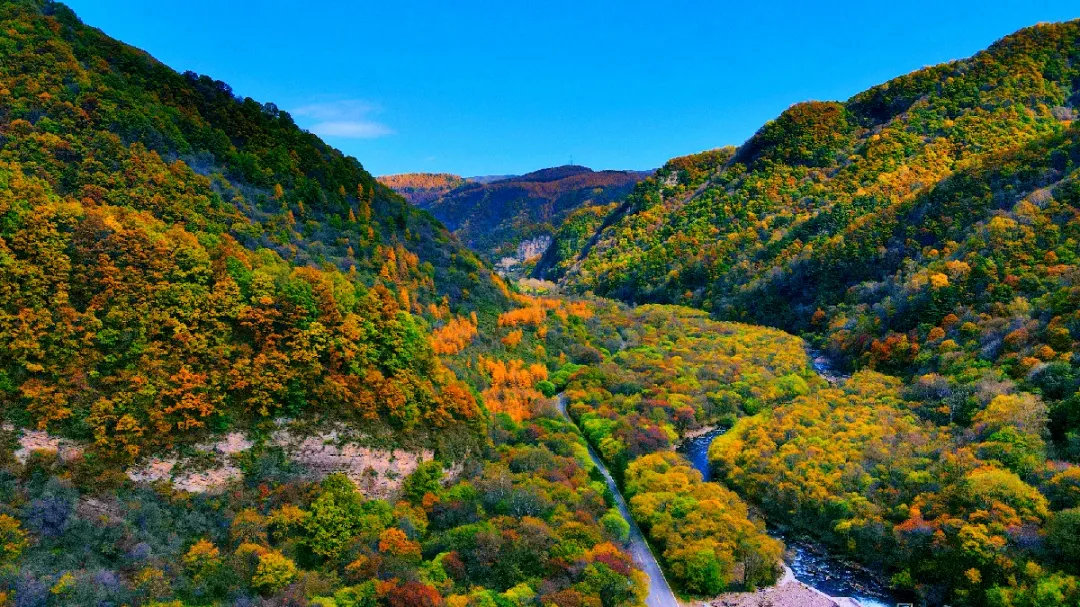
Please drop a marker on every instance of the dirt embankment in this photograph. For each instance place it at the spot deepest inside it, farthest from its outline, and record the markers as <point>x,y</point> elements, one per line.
<point>377,473</point>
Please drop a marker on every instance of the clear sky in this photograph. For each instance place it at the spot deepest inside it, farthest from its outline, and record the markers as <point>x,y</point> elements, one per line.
<point>479,88</point>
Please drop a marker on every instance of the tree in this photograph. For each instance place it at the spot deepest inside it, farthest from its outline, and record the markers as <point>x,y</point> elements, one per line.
<point>273,572</point>
<point>425,479</point>
<point>202,560</point>
<point>394,542</point>
<point>13,539</point>
<point>335,517</point>
<point>615,525</point>
<point>1062,533</point>
<point>703,572</point>
<point>413,594</point>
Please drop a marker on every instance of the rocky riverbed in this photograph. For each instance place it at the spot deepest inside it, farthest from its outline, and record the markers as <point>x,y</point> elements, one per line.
<point>788,592</point>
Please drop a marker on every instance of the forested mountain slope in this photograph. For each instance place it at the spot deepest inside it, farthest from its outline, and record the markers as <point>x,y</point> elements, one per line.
<point>927,227</point>
<point>176,259</point>
<point>177,263</point>
<point>509,221</point>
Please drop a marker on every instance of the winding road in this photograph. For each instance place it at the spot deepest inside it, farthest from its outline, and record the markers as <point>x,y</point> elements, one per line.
<point>660,594</point>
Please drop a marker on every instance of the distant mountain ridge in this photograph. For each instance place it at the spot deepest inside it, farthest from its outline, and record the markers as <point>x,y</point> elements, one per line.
<point>510,220</point>
<point>422,188</point>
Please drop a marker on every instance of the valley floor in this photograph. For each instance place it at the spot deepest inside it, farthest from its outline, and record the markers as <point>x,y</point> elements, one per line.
<point>787,592</point>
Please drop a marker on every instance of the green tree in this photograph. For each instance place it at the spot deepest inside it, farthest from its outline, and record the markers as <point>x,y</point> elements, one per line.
<point>425,479</point>
<point>1063,538</point>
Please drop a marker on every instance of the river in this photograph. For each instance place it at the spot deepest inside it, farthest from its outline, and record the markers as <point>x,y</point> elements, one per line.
<point>824,367</point>
<point>809,562</point>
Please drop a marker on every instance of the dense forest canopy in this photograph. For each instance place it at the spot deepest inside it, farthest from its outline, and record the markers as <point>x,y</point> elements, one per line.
<point>182,269</point>
<point>178,259</point>
<point>422,189</point>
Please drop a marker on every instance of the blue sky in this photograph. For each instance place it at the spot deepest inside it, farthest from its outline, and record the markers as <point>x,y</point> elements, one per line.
<point>479,88</point>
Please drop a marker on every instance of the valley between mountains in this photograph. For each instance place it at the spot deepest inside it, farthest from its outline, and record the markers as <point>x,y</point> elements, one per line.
<point>834,365</point>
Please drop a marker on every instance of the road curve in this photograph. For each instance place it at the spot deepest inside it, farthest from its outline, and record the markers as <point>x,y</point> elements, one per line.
<point>660,594</point>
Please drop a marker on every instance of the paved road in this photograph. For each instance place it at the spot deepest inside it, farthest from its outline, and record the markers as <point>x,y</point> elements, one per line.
<point>660,594</point>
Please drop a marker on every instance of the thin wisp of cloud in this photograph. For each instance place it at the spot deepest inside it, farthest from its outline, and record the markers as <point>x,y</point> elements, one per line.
<point>349,118</point>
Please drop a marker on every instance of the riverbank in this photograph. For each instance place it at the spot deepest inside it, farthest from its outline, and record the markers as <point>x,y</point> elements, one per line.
<point>787,592</point>
<point>698,432</point>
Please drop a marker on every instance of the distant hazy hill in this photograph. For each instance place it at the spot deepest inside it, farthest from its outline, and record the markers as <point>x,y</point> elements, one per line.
<point>510,219</point>
<point>488,178</point>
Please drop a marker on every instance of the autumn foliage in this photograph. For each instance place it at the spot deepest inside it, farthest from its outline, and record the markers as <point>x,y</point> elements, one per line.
<point>512,388</point>
<point>454,336</point>
<point>494,218</point>
<point>153,291</point>
<point>702,530</point>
